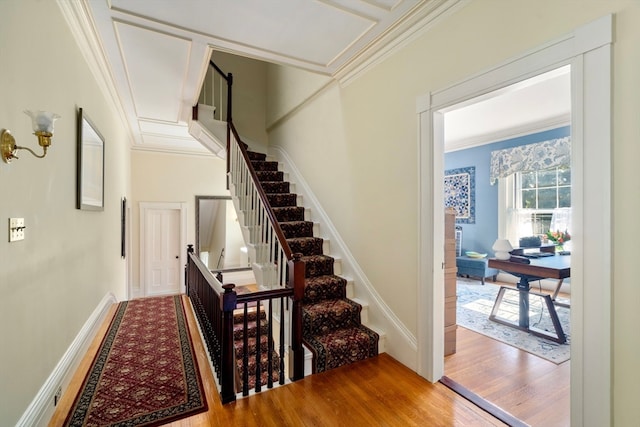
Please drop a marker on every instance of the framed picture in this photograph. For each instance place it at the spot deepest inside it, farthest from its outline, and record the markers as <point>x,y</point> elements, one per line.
<point>90,165</point>
<point>123,227</point>
<point>460,193</point>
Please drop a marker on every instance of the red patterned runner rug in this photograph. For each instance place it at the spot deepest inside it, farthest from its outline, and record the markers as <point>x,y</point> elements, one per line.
<point>145,372</point>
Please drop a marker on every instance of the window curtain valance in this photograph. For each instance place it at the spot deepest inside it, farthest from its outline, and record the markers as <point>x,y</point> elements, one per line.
<point>531,157</point>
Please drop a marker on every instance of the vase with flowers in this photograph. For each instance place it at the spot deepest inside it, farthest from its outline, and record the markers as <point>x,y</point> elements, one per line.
<point>559,238</point>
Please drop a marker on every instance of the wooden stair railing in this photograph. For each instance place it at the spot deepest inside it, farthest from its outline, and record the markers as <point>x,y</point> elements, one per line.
<point>286,280</point>
<point>214,305</point>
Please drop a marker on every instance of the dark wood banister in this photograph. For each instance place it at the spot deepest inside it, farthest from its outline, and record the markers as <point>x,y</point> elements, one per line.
<point>296,267</point>
<point>295,264</point>
<point>263,197</point>
<point>215,67</point>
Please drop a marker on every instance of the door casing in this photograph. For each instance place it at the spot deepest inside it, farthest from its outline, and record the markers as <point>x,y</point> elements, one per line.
<point>145,209</point>
<point>588,51</point>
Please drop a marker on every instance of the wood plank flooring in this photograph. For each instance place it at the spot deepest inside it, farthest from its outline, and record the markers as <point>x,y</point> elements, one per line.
<point>381,391</point>
<point>378,391</point>
<point>532,389</point>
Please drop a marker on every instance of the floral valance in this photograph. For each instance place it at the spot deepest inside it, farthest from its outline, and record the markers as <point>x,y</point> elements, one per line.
<point>531,157</point>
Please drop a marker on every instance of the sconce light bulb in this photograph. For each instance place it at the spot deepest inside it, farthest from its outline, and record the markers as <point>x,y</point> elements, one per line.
<point>42,121</point>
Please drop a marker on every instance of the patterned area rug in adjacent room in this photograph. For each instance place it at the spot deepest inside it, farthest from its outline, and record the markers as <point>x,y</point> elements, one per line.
<point>474,305</point>
<point>145,372</point>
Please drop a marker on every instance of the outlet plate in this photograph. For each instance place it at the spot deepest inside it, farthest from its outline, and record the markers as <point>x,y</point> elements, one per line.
<point>16,229</point>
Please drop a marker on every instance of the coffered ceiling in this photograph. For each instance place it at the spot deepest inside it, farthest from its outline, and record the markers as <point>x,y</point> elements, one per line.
<point>150,56</point>
<point>153,54</point>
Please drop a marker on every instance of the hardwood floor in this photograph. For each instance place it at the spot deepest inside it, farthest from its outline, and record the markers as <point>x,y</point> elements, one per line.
<point>378,391</point>
<point>532,389</point>
<point>381,391</point>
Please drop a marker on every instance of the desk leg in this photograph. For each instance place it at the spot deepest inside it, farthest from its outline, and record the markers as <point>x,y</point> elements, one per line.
<point>523,315</point>
<point>523,303</point>
<point>555,295</point>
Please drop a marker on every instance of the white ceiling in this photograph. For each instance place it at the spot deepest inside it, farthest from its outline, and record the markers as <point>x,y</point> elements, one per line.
<point>153,55</point>
<point>539,103</point>
<point>156,51</point>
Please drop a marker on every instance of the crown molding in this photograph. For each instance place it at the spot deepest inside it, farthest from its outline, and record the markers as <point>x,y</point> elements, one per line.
<point>419,21</point>
<point>84,32</point>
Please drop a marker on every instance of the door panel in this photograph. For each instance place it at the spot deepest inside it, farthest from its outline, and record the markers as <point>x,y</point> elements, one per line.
<point>162,249</point>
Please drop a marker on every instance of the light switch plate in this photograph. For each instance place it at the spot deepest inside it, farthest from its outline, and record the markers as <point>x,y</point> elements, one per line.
<point>16,229</point>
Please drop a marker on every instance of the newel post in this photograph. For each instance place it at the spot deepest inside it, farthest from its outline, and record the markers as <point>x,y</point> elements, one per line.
<point>227,364</point>
<point>296,351</point>
<point>186,268</point>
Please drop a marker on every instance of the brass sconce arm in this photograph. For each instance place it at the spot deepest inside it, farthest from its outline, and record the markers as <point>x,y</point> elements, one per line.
<point>43,129</point>
<point>8,145</point>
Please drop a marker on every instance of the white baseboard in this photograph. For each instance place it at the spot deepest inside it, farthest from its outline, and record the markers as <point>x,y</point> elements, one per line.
<point>41,408</point>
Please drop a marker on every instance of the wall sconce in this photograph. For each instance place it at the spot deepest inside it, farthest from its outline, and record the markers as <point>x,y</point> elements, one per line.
<point>502,247</point>
<point>42,128</point>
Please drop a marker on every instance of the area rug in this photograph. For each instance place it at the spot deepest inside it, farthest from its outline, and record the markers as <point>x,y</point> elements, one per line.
<point>475,302</point>
<point>145,372</point>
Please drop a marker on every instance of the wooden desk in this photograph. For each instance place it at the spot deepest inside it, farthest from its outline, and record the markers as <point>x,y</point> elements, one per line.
<point>553,267</point>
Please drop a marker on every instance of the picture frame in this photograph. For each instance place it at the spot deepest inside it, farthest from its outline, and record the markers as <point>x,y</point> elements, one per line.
<point>123,227</point>
<point>460,193</point>
<point>90,165</point>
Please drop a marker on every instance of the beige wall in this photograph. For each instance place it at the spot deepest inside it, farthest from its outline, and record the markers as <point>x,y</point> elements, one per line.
<point>288,88</point>
<point>52,281</point>
<point>249,96</point>
<point>162,177</point>
<point>364,136</point>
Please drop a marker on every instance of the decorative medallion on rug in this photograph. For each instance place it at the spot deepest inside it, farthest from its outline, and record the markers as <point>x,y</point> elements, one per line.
<point>145,372</point>
<point>475,302</point>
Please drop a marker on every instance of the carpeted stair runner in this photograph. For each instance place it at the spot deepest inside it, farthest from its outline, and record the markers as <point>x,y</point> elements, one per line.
<point>252,333</point>
<point>332,328</point>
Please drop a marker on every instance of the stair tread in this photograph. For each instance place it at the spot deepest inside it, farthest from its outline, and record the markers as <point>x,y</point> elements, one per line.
<point>341,347</point>
<point>292,229</point>
<point>342,332</point>
<point>282,199</point>
<point>306,245</point>
<point>324,287</point>
<point>318,265</point>
<point>341,308</point>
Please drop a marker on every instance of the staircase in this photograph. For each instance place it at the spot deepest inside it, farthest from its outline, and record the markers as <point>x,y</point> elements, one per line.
<point>332,327</point>
<point>260,354</point>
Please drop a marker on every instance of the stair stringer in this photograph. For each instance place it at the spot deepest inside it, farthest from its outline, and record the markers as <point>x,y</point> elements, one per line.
<point>394,335</point>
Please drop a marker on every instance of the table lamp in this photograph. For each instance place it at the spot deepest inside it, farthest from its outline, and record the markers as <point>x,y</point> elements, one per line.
<point>502,247</point>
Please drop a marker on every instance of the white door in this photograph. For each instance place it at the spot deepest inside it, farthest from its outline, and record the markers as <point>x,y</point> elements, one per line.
<point>161,248</point>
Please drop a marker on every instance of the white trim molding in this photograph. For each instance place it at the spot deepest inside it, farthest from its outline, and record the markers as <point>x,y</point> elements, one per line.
<point>588,51</point>
<point>144,207</point>
<point>42,407</point>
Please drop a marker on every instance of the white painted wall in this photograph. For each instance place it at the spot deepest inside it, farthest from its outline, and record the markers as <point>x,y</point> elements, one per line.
<point>357,149</point>
<point>51,282</point>
<point>218,233</point>
<point>288,88</point>
<point>249,96</point>
<point>162,177</point>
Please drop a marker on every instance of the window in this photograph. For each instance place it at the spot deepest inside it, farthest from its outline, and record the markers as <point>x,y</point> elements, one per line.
<point>532,198</point>
<point>538,194</point>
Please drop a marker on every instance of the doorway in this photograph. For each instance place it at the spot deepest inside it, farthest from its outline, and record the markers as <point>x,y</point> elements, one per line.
<point>531,113</point>
<point>162,243</point>
<point>588,51</point>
